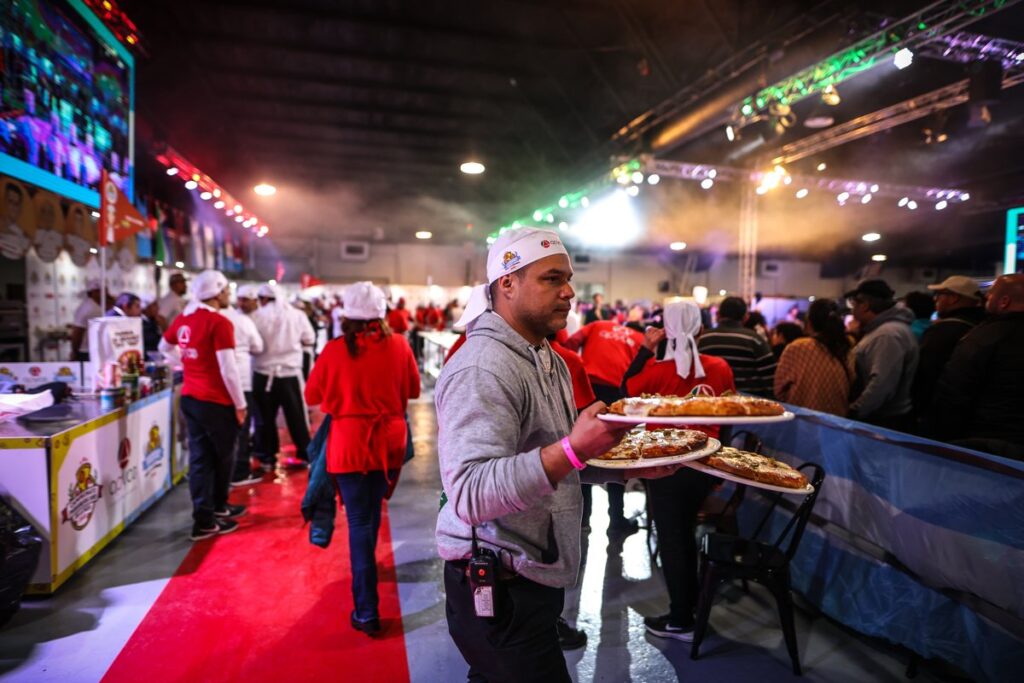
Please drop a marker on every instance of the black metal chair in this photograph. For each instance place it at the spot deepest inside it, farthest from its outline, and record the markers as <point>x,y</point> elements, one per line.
<point>725,557</point>
<point>720,513</point>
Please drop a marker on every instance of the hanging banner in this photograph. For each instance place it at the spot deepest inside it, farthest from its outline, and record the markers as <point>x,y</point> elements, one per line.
<point>49,237</point>
<point>118,218</point>
<point>308,281</point>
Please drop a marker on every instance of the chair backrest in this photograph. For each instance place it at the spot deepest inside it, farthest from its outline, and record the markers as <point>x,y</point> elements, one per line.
<point>794,528</point>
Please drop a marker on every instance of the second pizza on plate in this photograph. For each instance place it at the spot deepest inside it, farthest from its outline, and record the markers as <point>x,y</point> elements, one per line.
<point>639,444</point>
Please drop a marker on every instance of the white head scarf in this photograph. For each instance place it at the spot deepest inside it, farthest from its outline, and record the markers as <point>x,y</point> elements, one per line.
<point>206,285</point>
<point>363,301</point>
<point>682,323</point>
<point>247,292</point>
<point>514,250</point>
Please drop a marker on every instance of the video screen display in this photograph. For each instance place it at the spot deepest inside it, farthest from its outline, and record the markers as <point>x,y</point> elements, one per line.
<point>66,98</point>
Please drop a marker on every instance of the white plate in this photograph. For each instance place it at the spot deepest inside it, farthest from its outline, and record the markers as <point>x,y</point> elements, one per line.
<point>712,447</point>
<point>697,419</point>
<point>701,467</point>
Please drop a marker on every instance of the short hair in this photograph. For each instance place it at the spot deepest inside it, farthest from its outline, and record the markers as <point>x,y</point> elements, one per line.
<point>877,304</point>
<point>921,303</point>
<point>732,308</point>
<point>790,332</point>
<point>11,187</point>
<point>126,299</point>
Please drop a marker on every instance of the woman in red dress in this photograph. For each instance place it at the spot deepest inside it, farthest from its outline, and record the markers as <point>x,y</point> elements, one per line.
<point>364,380</point>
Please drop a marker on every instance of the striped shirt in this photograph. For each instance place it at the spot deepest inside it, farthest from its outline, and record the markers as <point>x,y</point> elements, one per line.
<point>746,352</point>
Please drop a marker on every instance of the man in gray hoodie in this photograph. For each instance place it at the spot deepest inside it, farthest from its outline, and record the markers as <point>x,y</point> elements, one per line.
<point>886,357</point>
<point>510,444</point>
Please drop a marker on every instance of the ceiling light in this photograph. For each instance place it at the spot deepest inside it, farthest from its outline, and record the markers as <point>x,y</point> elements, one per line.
<point>878,258</point>
<point>632,190</point>
<point>842,196</point>
<point>239,219</point>
<point>584,202</point>
<point>173,170</point>
<point>865,199</point>
<point>538,215</point>
<point>179,264</point>
<point>871,237</point>
<point>238,208</point>
<point>830,96</point>
<point>653,179</point>
<point>191,185</point>
<point>216,192</point>
<point>811,298</point>
<point>903,58</point>
<point>563,202</point>
<point>206,196</point>
<point>472,168</point>
<point>707,183</point>
<point>218,204</point>
<point>761,189</point>
<point>722,292</point>
<point>965,196</point>
<point>95,214</point>
<point>802,192</point>
<point>730,133</point>
<point>610,222</point>
<point>939,206</point>
<point>160,263</point>
<point>912,205</point>
<point>271,282</point>
<point>903,201</point>
<point>822,166</point>
<point>265,190</point>
<point>424,234</point>
<point>712,174</point>
<point>563,226</point>
<point>819,119</point>
<point>677,246</point>
<point>638,177</point>
<point>93,250</point>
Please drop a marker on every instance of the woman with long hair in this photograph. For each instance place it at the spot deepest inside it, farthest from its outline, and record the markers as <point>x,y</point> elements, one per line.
<point>815,371</point>
<point>364,380</point>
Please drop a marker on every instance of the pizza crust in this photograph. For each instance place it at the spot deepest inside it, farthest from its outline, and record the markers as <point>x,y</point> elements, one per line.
<point>732,405</point>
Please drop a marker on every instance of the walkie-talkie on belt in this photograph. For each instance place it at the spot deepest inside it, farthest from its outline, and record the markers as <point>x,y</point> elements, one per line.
<point>483,577</point>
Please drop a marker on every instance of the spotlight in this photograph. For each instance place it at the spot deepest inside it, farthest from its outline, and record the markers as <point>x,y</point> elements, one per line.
<point>218,204</point>
<point>903,58</point>
<point>472,168</point>
<point>677,246</point>
<point>865,199</point>
<point>271,282</point>
<point>563,226</point>
<point>965,196</point>
<point>822,166</point>
<point>93,250</point>
<point>563,203</point>
<point>830,96</point>
<point>632,190</point>
<point>424,234</point>
<point>205,196</point>
<point>842,196</point>
<point>802,192</point>
<point>874,188</point>
<point>707,183</point>
<point>173,170</point>
<point>912,205</point>
<point>550,218</point>
<point>653,179</point>
<point>238,208</point>
<point>878,258</point>
<point>722,292</point>
<point>538,215</point>
<point>712,174</point>
<point>761,189</point>
<point>939,206</point>
<point>179,264</point>
<point>95,214</point>
<point>638,177</point>
<point>265,190</point>
<point>160,264</point>
<point>903,201</point>
<point>584,202</point>
<point>191,185</point>
<point>239,219</point>
<point>871,237</point>
<point>730,133</point>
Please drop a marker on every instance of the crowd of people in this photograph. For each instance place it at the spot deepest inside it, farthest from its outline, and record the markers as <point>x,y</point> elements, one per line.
<point>517,404</point>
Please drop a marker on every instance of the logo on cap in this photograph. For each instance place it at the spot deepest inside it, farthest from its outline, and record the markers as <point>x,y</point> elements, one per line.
<point>511,259</point>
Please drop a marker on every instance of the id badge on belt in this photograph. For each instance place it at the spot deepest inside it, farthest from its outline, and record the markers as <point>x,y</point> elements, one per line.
<point>483,576</point>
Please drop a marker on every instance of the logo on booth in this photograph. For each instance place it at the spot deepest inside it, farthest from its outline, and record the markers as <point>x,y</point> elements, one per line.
<point>154,457</point>
<point>83,495</point>
<point>35,371</point>
<point>124,452</point>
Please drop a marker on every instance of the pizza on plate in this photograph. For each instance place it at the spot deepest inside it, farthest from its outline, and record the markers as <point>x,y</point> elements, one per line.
<point>730,405</point>
<point>756,467</point>
<point>640,444</point>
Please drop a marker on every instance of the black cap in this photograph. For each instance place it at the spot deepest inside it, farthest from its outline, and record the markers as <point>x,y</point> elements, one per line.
<point>873,288</point>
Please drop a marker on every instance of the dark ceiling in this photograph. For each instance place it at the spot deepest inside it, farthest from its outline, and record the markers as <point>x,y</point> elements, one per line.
<point>362,111</point>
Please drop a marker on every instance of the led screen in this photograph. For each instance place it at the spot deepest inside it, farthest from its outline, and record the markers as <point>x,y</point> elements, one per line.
<point>66,99</point>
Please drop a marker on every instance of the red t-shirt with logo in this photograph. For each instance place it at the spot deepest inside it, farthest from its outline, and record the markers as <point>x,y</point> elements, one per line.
<point>661,377</point>
<point>608,349</point>
<point>199,336</point>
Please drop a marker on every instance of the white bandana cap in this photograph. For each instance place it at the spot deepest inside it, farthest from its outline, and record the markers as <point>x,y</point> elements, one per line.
<point>682,324</point>
<point>363,301</point>
<point>514,250</point>
<point>247,292</point>
<point>208,284</point>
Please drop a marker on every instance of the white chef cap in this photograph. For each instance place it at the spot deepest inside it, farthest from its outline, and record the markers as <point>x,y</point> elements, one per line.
<point>363,301</point>
<point>208,284</point>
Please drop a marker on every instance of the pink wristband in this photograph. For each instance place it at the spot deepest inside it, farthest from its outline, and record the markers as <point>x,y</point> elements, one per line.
<point>571,454</point>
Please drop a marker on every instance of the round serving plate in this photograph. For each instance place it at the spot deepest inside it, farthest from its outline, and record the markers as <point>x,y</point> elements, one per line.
<point>697,419</point>
<point>712,446</point>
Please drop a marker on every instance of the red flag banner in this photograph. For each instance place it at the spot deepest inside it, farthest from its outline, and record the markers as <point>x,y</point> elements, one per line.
<point>118,218</point>
<point>308,281</point>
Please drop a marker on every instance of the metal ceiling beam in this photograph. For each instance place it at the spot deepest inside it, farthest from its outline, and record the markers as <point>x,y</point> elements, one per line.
<point>241,96</point>
<point>256,116</point>
<point>884,119</point>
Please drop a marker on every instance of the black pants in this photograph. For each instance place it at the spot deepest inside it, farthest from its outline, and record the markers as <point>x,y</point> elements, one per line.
<point>675,501</point>
<point>285,394</point>
<point>212,430</point>
<point>243,445</point>
<point>520,643</point>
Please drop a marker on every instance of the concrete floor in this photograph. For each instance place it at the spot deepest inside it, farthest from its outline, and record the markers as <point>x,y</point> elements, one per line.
<point>75,635</point>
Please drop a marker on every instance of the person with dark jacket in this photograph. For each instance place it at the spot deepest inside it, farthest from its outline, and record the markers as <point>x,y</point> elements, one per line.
<point>978,402</point>
<point>746,351</point>
<point>885,358</point>
<point>958,303</point>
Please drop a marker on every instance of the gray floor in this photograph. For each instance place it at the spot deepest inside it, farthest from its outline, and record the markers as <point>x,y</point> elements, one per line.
<point>76,634</point>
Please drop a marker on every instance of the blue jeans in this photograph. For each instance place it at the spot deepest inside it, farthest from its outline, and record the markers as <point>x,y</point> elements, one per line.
<point>363,495</point>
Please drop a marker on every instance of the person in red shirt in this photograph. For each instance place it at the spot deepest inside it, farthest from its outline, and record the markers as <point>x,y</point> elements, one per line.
<point>608,349</point>
<point>212,401</point>
<point>364,380</point>
<point>398,318</point>
<point>676,499</point>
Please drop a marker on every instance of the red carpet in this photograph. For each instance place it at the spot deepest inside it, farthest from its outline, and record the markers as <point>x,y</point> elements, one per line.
<point>262,604</point>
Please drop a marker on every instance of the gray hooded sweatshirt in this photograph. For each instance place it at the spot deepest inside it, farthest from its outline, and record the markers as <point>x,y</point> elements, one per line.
<point>886,361</point>
<point>496,409</point>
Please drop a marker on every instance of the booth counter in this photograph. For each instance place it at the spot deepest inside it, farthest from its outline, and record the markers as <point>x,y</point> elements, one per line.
<point>82,480</point>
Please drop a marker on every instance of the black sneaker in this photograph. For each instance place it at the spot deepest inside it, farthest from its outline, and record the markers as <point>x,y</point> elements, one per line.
<point>245,480</point>
<point>664,627</point>
<point>570,638</point>
<point>369,627</point>
<point>229,511</point>
<point>626,527</point>
<point>225,525</point>
<point>199,532</point>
